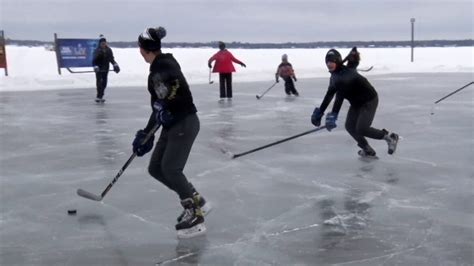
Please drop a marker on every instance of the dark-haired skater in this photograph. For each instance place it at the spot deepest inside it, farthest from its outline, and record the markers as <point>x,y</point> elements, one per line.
<point>346,83</point>
<point>101,60</point>
<point>223,65</point>
<point>173,108</point>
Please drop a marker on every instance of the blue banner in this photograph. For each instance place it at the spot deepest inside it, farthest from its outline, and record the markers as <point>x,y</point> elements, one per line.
<point>75,52</point>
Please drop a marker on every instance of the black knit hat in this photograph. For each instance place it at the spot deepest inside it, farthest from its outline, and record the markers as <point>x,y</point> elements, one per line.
<point>333,56</point>
<point>150,39</point>
<point>102,38</point>
<point>221,45</point>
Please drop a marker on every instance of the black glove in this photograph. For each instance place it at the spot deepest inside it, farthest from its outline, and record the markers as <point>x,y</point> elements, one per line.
<point>209,65</point>
<point>331,121</point>
<point>294,78</point>
<point>242,64</point>
<point>163,115</point>
<point>139,147</point>
<point>116,68</point>
<point>316,117</point>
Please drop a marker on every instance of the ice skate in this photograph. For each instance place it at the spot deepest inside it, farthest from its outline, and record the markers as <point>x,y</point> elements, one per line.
<point>99,100</point>
<point>192,223</point>
<point>368,153</point>
<point>364,155</point>
<point>205,206</point>
<point>392,141</point>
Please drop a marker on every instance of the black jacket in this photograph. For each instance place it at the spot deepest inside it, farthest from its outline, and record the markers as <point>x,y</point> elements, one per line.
<point>347,84</point>
<point>167,84</point>
<point>103,57</point>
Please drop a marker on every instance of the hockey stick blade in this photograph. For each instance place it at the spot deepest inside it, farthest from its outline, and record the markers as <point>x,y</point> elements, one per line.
<point>227,153</point>
<point>267,90</point>
<point>366,70</point>
<point>88,195</point>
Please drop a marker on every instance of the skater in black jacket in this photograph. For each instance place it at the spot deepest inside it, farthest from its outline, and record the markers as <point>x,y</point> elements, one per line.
<point>346,83</point>
<point>172,108</point>
<point>101,60</point>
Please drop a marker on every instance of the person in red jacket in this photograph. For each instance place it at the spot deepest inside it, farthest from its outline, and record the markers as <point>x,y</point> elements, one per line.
<point>224,67</point>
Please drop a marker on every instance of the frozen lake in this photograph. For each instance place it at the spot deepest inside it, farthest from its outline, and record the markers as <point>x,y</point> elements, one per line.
<point>309,201</point>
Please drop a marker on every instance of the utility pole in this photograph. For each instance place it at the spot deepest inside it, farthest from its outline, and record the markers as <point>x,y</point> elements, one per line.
<point>412,20</point>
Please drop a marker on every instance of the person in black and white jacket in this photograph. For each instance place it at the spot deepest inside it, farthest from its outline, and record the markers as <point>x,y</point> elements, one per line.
<point>101,60</point>
<point>173,108</point>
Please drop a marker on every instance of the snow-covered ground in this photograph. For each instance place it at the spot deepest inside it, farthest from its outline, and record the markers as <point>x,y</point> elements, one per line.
<point>35,68</point>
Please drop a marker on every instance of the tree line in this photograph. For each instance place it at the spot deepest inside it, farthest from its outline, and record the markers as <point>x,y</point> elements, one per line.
<point>286,45</point>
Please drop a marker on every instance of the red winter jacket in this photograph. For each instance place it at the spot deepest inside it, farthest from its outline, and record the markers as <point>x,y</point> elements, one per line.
<point>224,61</point>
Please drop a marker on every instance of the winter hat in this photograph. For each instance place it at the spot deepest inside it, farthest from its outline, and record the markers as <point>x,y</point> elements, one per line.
<point>284,57</point>
<point>150,39</point>
<point>102,38</point>
<point>334,56</point>
<point>221,45</point>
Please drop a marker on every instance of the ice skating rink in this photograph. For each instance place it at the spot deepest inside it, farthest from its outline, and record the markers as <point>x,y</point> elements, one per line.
<point>308,201</point>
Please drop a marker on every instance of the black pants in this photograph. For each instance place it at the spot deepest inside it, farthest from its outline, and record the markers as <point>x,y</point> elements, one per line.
<point>101,82</point>
<point>289,86</point>
<point>171,154</point>
<point>225,83</point>
<point>359,121</point>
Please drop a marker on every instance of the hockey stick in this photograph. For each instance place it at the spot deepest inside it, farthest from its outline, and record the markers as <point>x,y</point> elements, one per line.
<point>233,156</point>
<point>85,71</point>
<point>258,97</point>
<point>91,196</point>
<point>454,92</point>
<point>210,81</point>
<point>366,70</point>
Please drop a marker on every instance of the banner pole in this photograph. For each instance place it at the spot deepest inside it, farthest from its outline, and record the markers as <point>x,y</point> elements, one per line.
<point>56,48</point>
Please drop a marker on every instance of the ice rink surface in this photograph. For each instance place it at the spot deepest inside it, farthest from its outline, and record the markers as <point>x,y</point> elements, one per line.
<point>308,201</point>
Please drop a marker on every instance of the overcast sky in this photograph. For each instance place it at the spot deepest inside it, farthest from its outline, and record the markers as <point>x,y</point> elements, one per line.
<point>239,20</point>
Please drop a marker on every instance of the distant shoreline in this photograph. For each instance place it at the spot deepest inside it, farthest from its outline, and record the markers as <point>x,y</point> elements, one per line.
<point>288,45</point>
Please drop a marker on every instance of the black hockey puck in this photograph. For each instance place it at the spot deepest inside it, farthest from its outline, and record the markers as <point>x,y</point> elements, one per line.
<point>72,212</point>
